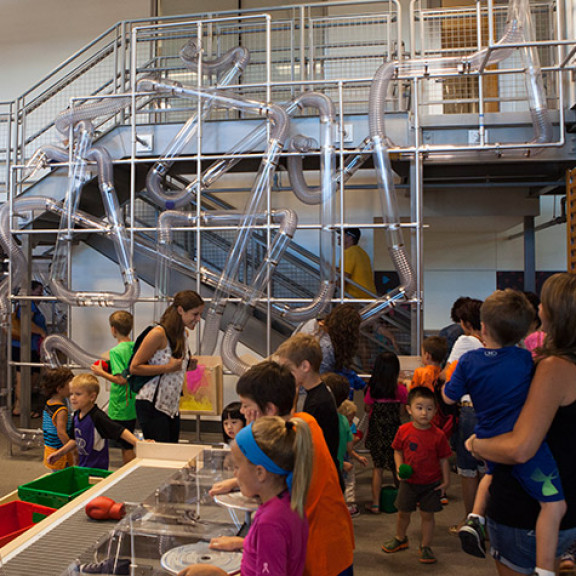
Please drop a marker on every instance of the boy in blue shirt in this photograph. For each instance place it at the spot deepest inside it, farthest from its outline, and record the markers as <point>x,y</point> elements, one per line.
<point>498,378</point>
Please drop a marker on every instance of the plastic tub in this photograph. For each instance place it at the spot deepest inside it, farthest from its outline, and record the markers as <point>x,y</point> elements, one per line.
<point>387,498</point>
<point>17,516</point>
<point>57,489</point>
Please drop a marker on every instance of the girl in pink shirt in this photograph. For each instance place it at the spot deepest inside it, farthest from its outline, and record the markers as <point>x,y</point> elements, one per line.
<point>384,399</point>
<point>272,460</point>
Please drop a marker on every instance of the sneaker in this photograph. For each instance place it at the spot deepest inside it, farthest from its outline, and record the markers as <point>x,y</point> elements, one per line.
<point>472,536</point>
<point>354,510</point>
<point>426,555</point>
<point>110,566</point>
<point>567,564</point>
<point>395,545</point>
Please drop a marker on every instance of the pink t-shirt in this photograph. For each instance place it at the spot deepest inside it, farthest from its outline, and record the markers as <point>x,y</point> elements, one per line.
<point>401,397</point>
<point>276,541</point>
<point>533,341</point>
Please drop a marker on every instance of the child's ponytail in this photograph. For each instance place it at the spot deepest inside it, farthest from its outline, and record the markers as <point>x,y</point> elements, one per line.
<point>288,451</point>
<point>303,458</point>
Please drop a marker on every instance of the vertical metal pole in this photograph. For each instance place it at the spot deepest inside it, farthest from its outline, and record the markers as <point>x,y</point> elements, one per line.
<point>25,339</point>
<point>416,203</point>
<point>529,254</point>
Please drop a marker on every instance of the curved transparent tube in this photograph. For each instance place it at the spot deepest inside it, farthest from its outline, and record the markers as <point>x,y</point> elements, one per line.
<point>238,58</point>
<point>385,177</point>
<point>56,342</point>
<point>519,29</point>
<point>118,234</point>
<point>278,130</point>
<point>288,224</point>
<point>26,439</point>
<point>325,194</point>
<point>89,111</point>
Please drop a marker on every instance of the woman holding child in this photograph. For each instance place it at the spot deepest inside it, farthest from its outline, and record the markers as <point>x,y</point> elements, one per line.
<point>164,354</point>
<point>549,412</point>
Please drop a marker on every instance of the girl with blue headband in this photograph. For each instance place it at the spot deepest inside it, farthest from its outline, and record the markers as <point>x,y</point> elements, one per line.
<point>272,460</point>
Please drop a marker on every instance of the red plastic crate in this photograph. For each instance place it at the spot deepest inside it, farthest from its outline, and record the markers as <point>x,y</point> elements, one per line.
<point>17,516</point>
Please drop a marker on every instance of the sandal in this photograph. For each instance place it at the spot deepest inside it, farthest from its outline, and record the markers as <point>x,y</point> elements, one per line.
<point>372,508</point>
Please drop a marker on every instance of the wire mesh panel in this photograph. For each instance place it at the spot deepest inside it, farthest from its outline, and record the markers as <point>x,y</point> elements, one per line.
<point>459,33</point>
<point>5,146</point>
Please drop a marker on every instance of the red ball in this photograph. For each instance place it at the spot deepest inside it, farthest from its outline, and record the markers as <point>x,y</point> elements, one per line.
<point>103,364</point>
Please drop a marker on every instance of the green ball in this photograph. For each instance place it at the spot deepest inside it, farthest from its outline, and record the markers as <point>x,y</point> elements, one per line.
<point>405,471</point>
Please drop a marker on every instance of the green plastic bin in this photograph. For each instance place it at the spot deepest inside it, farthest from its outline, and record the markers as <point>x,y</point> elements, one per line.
<point>387,498</point>
<point>57,489</point>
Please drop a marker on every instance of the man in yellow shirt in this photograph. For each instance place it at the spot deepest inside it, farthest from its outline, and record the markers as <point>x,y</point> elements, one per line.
<point>357,266</point>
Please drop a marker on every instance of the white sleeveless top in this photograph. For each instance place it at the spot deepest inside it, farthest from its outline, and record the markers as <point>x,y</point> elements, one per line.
<point>168,397</point>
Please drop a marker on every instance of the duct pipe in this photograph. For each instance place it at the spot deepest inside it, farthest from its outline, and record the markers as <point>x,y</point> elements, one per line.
<point>89,111</point>
<point>51,344</point>
<point>239,58</point>
<point>119,238</point>
<point>288,224</point>
<point>325,195</point>
<point>385,177</point>
<point>279,126</point>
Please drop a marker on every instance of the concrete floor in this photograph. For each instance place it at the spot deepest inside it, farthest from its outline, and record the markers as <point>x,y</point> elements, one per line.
<point>371,530</point>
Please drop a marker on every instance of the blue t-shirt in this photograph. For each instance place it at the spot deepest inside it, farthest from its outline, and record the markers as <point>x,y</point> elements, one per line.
<point>40,321</point>
<point>498,381</point>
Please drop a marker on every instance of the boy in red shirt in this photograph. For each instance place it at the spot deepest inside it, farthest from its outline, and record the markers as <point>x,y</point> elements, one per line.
<point>425,449</point>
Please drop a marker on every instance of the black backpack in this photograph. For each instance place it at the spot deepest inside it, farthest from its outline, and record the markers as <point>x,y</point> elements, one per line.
<point>137,381</point>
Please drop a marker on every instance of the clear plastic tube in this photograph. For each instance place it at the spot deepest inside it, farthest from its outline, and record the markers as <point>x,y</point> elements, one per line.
<point>26,439</point>
<point>385,177</point>
<point>238,57</point>
<point>89,111</point>
<point>56,342</point>
<point>117,232</point>
<point>288,224</point>
<point>235,60</point>
<point>325,195</point>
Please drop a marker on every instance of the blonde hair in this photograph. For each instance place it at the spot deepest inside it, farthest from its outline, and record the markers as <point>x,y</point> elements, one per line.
<point>87,381</point>
<point>348,409</point>
<point>289,445</point>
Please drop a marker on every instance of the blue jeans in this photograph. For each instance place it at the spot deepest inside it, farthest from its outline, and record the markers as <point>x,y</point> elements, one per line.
<point>467,465</point>
<point>516,547</point>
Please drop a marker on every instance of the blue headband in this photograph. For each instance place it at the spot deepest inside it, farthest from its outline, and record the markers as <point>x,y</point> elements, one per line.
<point>248,446</point>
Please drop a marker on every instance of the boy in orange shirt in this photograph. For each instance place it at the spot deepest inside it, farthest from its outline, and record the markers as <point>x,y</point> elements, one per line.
<point>434,351</point>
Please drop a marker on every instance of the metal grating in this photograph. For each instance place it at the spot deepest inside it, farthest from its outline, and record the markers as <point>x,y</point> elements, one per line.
<point>58,548</point>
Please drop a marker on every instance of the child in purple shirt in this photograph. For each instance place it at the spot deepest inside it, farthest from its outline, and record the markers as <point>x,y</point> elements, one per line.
<point>272,460</point>
<point>92,427</point>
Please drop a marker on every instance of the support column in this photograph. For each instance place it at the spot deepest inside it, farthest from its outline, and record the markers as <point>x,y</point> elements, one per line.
<point>416,244</point>
<point>529,254</point>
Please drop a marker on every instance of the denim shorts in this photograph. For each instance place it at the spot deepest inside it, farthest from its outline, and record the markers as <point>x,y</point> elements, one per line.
<point>467,465</point>
<point>516,547</point>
